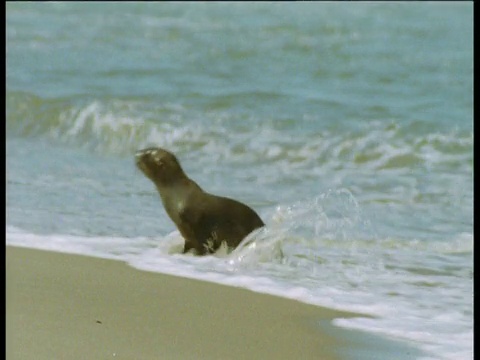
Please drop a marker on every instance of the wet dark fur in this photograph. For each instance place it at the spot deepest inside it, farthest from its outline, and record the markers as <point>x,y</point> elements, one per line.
<point>203,219</point>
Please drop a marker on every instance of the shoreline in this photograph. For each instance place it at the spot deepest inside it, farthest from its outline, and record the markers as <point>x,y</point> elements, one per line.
<point>77,306</point>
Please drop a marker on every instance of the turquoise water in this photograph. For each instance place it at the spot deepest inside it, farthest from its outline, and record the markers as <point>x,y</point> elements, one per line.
<point>348,127</point>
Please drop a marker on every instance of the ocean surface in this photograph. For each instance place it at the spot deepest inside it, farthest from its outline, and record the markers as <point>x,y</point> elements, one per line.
<point>347,126</point>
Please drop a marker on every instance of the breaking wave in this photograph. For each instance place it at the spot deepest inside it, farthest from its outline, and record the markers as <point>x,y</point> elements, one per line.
<point>121,126</point>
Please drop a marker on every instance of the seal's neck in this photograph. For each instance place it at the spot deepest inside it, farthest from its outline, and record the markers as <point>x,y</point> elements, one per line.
<point>176,189</point>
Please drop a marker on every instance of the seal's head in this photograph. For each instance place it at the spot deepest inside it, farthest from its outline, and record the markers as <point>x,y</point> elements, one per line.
<point>159,165</point>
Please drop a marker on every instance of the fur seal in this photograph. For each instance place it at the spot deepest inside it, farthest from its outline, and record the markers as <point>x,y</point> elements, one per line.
<point>203,219</point>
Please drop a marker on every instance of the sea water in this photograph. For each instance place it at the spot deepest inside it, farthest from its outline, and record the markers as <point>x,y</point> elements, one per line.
<point>347,126</point>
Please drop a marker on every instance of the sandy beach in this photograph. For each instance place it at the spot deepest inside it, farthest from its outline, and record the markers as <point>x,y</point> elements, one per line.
<point>63,306</point>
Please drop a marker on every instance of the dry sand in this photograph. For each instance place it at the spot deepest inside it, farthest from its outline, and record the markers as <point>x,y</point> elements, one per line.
<point>63,306</point>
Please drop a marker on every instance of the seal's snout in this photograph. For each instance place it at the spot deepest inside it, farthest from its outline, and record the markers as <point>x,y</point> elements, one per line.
<point>139,154</point>
<point>144,163</point>
<point>143,157</point>
<point>140,157</point>
<point>147,151</point>
<point>145,154</point>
